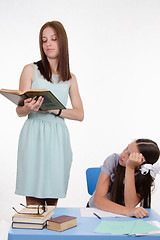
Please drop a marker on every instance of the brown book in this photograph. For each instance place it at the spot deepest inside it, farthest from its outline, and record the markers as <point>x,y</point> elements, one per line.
<point>50,101</point>
<point>61,223</point>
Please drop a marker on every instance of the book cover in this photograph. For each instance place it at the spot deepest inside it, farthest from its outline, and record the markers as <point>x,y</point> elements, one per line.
<point>17,97</point>
<point>29,218</point>
<point>61,223</point>
<point>29,225</point>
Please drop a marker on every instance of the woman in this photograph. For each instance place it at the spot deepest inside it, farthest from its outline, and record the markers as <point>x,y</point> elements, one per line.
<point>126,179</point>
<point>44,153</point>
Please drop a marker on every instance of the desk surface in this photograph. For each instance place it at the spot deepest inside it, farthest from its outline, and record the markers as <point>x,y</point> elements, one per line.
<point>84,230</point>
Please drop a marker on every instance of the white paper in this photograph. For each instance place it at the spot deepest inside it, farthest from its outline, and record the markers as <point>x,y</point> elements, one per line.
<point>89,212</point>
<point>155,223</point>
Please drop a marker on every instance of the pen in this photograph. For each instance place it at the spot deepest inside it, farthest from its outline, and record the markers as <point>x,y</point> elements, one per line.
<point>97,215</point>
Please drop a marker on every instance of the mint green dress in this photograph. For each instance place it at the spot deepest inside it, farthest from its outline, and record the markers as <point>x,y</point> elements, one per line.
<point>44,150</point>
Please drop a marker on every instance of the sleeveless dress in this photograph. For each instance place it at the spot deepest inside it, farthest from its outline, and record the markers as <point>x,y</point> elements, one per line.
<point>44,151</point>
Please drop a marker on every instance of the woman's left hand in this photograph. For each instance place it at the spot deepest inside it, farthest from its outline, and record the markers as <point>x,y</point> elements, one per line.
<point>135,160</point>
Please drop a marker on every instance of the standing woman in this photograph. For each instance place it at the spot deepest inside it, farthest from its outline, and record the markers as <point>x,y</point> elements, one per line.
<point>44,152</point>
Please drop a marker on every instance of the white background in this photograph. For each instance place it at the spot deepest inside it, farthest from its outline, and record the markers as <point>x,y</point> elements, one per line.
<point>114,50</point>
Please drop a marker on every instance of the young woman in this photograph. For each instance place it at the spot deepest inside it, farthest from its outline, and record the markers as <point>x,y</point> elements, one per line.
<point>126,179</point>
<point>44,153</point>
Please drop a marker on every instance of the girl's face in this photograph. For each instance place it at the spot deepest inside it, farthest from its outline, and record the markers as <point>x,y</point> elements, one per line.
<point>132,148</point>
<point>50,43</point>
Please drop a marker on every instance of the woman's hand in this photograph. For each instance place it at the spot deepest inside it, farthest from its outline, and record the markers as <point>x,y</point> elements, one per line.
<point>32,105</point>
<point>135,160</point>
<point>138,212</point>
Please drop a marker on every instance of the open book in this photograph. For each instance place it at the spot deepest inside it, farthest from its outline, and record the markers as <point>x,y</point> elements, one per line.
<point>50,101</point>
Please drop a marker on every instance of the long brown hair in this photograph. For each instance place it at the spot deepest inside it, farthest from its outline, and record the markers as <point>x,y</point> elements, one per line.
<point>150,151</point>
<point>63,58</point>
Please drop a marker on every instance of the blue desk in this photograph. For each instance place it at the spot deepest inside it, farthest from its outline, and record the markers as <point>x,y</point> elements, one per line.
<point>83,231</point>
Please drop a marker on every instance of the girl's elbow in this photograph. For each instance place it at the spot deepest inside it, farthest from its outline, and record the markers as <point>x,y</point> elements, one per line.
<point>96,201</point>
<point>17,111</point>
<point>81,117</point>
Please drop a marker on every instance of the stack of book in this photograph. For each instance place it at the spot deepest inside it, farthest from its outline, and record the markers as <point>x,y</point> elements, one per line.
<point>24,219</point>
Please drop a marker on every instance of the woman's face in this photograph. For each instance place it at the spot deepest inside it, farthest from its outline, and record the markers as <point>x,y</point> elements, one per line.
<point>132,148</point>
<point>50,43</point>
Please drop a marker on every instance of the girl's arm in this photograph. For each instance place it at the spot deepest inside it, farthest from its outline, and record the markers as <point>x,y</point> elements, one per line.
<point>25,84</point>
<point>105,204</point>
<point>76,113</point>
<point>131,198</point>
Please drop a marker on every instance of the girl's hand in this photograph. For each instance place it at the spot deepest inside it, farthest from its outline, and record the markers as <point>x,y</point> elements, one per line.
<point>135,160</point>
<point>138,212</point>
<point>32,105</point>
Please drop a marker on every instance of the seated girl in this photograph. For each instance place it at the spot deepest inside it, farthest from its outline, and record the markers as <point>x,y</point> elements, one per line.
<point>126,179</point>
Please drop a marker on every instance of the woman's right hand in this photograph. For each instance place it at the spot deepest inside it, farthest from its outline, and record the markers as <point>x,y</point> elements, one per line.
<point>138,212</point>
<point>30,104</point>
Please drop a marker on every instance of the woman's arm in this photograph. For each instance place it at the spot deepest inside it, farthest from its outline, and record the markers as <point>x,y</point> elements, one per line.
<point>105,204</point>
<point>100,199</point>
<point>76,113</point>
<point>25,84</point>
<point>131,198</point>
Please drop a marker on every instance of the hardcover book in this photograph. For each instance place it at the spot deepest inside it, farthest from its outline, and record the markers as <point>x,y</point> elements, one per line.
<point>29,225</point>
<point>50,101</point>
<point>61,223</point>
<point>29,218</point>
